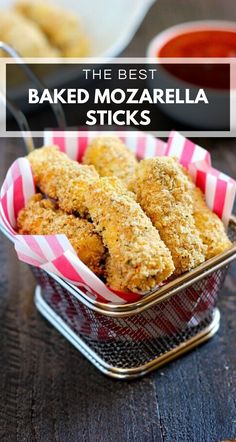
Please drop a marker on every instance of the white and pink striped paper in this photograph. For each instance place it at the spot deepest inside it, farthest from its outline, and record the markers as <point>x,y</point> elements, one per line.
<point>54,253</point>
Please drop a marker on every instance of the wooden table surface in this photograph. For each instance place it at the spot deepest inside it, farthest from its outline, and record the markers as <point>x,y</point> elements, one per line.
<point>49,392</point>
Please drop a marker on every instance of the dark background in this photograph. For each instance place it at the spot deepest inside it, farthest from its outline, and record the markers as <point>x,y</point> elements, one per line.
<point>49,392</point>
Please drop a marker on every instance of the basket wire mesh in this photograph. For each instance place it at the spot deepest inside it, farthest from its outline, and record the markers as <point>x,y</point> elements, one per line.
<point>129,346</point>
<point>165,319</point>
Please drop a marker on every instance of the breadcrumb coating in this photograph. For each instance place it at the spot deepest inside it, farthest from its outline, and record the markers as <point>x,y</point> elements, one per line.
<point>110,157</point>
<point>139,259</point>
<point>62,179</point>
<point>61,26</point>
<point>210,226</point>
<point>24,36</point>
<point>40,217</point>
<point>164,193</point>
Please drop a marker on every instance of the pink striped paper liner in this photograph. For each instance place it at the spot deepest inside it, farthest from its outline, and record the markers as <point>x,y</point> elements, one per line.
<point>55,253</point>
<point>218,188</point>
<point>75,143</point>
<point>185,150</point>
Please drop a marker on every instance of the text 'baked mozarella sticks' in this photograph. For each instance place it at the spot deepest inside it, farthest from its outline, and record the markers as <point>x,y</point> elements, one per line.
<point>139,259</point>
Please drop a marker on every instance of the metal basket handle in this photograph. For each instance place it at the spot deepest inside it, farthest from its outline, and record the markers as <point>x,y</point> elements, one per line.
<point>17,113</point>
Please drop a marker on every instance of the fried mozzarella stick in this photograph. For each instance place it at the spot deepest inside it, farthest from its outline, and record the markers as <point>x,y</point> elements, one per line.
<point>62,179</point>
<point>139,260</point>
<point>111,157</point>
<point>164,193</point>
<point>60,26</point>
<point>24,36</point>
<point>210,226</point>
<point>40,217</point>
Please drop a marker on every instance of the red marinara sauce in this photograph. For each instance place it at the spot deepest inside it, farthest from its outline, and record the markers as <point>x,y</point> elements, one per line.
<point>212,43</point>
<point>202,43</point>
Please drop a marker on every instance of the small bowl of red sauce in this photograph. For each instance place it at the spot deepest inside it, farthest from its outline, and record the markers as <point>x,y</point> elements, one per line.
<point>204,40</point>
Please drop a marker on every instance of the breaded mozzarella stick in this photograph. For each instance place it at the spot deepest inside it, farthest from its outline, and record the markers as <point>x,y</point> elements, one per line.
<point>111,157</point>
<point>164,193</point>
<point>40,217</point>
<point>140,260</point>
<point>62,179</point>
<point>24,36</point>
<point>210,226</point>
<point>61,26</point>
